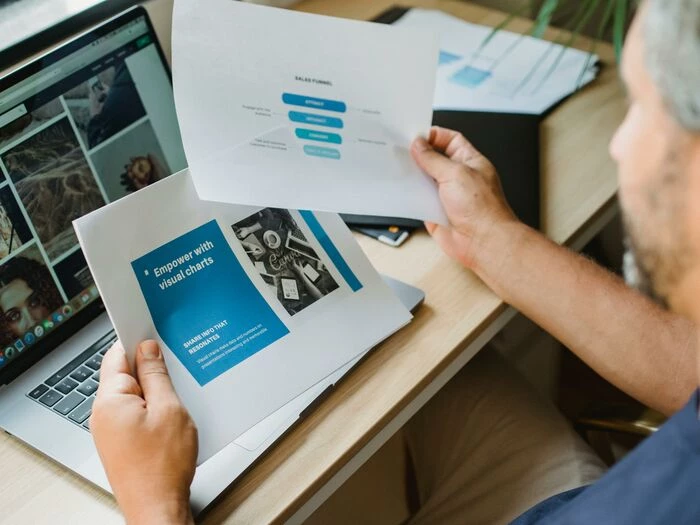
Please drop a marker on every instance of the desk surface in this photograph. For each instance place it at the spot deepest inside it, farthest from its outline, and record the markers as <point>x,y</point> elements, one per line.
<point>579,186</point>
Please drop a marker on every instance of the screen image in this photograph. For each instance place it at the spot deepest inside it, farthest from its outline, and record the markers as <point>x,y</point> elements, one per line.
<point>94,126</point>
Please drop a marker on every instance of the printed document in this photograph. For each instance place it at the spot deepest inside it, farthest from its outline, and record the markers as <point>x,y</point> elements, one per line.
<point>505,72</point>
<point>287,109</point>
<point>252,306</point>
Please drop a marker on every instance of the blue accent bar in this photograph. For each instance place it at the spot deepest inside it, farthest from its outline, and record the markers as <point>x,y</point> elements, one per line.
<point>313,102</point>
<point>325,153</point>
<point>470,77</point>
<point>320,136</point>
<point>316,120</point>
<point>447,58</point>
<point>316,228</point>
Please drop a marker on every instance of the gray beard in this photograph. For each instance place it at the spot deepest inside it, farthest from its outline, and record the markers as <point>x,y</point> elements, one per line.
<point>637,277</point>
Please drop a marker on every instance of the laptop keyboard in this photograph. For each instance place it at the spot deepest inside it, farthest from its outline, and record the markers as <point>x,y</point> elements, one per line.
<point>70,392</point>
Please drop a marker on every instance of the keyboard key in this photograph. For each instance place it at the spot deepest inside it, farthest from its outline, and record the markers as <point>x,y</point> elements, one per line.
<point>38,391</point>
<point>86,423</point>
<point>95,362</point>
<point>88,388</point>
<point>50,398</point>
<point>96,377</point>
<point>83,411</point>
<point>67,369</point>
<point>81,374</point>
<point>65,386</point>
<point>51,381</point>
<point>68,403</point>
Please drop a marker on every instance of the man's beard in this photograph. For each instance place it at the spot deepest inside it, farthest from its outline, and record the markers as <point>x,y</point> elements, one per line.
<point>657,257</point>
<point>638,276</point>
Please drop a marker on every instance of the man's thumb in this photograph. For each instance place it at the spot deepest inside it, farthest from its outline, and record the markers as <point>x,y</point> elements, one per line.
<point>152,374</point>
<point>432,162</point>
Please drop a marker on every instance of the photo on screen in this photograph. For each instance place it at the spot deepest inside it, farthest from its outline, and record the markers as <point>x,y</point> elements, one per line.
<point>28,295</point>
<point>73,274</point>
<point>54,183</point>
<point>105,104</point>
<point>29,122</point>
<point>131,162</point>
<point>284,258</point>
<point>14,232</point>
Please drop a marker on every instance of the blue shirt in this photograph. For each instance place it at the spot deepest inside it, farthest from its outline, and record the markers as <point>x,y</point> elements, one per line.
<point>657,483</point>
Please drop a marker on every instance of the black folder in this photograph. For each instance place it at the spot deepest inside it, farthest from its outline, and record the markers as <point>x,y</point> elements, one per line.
<point>510,141</point>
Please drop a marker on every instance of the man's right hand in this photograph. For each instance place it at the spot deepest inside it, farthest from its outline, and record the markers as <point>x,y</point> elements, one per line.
<point>470,192</point>
<point>146,439</point>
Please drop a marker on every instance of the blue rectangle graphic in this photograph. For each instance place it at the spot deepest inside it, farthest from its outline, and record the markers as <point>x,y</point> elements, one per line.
<point>447,58</point>
<point>319,136</point>
<point>313,102</point>
<point>324,153</point>
<point>316,120</point>
<point>203,304</point>
<point>335,256</point>
<point>470,77</point>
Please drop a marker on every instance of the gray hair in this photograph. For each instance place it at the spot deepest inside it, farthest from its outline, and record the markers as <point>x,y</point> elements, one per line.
<point>672,41</point>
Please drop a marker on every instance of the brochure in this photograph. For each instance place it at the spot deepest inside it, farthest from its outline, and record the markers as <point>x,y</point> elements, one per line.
<point>314,112</point>
<point>252,306</point>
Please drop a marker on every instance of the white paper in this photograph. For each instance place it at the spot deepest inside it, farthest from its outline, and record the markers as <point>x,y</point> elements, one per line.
<point>511,73</point>
<point>176,269</point>
<point>286,109</point>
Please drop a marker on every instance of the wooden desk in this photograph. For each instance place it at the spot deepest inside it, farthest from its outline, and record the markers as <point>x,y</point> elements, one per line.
<point>459,317</point>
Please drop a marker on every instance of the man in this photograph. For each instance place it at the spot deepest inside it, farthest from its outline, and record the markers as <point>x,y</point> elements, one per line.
<point>524,456</point>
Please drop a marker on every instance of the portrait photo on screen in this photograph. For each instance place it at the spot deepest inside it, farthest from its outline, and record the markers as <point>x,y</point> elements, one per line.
<point>130,162</point>
<point>54,183</point>
<point>14,231</point>
<point>105,104</point>
<point>284,258</point>
<point>28,122</point>
<point>28,294</point>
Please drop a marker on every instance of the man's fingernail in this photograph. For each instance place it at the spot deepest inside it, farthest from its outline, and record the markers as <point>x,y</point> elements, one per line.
<point>420,144</point>
<point>150,350</point>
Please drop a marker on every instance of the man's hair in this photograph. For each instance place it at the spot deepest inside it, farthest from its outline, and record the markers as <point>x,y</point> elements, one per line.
<point>672,41</point>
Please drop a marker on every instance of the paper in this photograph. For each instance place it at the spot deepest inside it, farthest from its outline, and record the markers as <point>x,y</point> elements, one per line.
<point>225,291</point>
<point>286,109</point>
<point>511,73</point>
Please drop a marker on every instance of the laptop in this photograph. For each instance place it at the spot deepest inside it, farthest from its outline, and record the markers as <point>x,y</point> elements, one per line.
<point>82,126</point>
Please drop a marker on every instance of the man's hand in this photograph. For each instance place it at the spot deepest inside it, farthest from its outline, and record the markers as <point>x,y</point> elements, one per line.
<point>469,189</point>
<point>146,439</point>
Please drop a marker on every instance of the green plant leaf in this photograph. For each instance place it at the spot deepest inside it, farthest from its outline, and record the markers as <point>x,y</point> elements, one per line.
<point>604,24</point>
<point>524,9</point>
<point>544,17</point>
<point>590,8</point>
<point>619,25</point>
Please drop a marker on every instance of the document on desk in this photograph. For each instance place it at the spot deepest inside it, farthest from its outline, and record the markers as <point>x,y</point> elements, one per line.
<point>503,72</point>
<point>287,109</point>
<point>251,306</point>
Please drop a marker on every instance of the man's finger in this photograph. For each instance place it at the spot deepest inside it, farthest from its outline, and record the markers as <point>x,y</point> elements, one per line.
<point>115,373</point>
<point>453,143</point>
<point>432,162</point>
<point>153,375</point>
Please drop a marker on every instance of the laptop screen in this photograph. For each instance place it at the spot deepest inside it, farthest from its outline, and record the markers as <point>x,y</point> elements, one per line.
<point>93,122</point>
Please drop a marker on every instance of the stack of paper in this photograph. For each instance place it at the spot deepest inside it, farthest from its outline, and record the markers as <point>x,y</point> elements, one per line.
<point>252,300</point>
<point>509,73</point>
